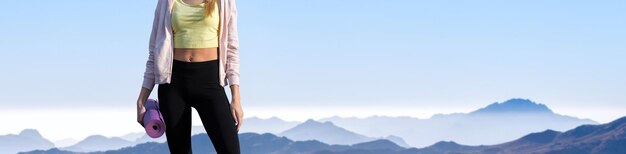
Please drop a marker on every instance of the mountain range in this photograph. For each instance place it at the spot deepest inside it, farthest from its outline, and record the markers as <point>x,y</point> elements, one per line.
<point>607,138</point>
<point>99,143</point>
<point>329,133</point>
<point>495,123</point>
<point>27,139</point>
<point>491,125</point>
<point>30,139</point>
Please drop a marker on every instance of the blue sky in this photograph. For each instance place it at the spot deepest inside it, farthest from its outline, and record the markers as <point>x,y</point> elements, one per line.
<point>421,57</point>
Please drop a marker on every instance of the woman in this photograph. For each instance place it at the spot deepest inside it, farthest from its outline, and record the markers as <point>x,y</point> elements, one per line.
<point>193,55</point>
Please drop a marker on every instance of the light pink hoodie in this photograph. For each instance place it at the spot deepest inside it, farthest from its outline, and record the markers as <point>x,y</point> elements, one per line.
<point>161,47</point>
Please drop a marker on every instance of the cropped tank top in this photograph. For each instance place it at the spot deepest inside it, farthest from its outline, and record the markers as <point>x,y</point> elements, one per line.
<point>191,28</point>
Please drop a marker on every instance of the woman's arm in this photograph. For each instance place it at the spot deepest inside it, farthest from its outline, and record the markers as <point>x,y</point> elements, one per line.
<point>232,57</point>
<point>143,94</point>
<point>234,90</point>
<point>148,76</point>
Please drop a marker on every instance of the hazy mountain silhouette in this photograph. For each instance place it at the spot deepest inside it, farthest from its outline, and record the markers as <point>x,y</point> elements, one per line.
<point>514,106</point>
<point>448,147</point>
<point>272,125</point>
<point>493,124</point>
<point>607,138</point>
<point>99,143</point>
<point>496,121</point>
<point>377,144</point>
<point>26,140</point>
<point>250,143</point>
<point>397,140</point>
<point>325,132</point>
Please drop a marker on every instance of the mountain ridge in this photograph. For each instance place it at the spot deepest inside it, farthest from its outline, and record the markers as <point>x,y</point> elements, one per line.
<point>326,132</point>
<point>494,123</point>
<point>27,139</point>
<point>578,140</point>
<point>457,120</point>
<point>515,105</point>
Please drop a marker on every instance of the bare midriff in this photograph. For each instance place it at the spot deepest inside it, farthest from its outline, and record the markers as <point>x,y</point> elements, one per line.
<point>195,54</point>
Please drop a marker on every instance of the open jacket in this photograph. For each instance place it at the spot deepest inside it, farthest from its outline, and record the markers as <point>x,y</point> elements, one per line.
<point>161,47</point>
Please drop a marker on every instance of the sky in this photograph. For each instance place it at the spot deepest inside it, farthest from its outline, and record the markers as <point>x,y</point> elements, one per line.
<point>68,60</point>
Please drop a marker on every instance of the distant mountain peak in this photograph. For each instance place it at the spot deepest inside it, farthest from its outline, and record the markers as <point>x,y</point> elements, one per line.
<point>541,137</point>
<point>32,133</point>
<point>326,132</point>
<point>311,122</point>
<point>445,144</point>
<point>27,139</point>
<point>397,140</point>
<point>378,144</point>
<point>515,105</point>
<point>274,118</point>
<point>375,142</point>
<point>94,137</point>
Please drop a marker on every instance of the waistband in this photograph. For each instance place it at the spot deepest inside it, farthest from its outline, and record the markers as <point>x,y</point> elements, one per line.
<point>183,68</point>
<point>196,64</point>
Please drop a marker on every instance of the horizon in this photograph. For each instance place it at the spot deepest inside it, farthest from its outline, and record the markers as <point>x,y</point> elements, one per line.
<point>79,133</point>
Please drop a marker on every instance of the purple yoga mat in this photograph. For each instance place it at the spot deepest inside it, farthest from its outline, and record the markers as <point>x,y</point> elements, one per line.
<point>153,120</point>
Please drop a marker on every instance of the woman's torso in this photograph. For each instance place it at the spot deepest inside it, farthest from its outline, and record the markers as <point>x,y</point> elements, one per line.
<point>159,64</point>
<point>194,54</point>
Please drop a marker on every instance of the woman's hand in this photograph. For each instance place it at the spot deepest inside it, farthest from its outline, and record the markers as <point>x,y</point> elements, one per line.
<point>141,109</point>
<point>235,106</point>
<point>141,101</point>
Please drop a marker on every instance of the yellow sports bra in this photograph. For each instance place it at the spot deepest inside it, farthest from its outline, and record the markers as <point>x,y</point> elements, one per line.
<point>191,28</point>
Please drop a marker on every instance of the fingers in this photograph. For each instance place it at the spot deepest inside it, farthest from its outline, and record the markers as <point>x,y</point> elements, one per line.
<point>233,111</point>
<point>140,115</point>
<point>239,122</point>
<point>239,119</point>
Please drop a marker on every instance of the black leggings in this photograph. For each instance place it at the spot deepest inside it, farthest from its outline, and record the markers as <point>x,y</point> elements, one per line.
<point>197,85</point>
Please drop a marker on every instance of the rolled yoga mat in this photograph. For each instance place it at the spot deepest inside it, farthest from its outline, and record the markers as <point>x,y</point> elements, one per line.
<point>153,120</point>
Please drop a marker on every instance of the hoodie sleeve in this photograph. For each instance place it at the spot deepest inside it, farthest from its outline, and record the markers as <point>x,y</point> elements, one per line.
<point>149,76</point>
<point>232,52</point>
